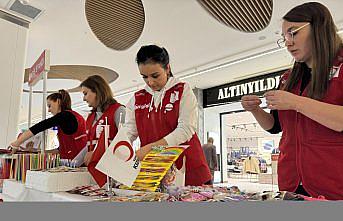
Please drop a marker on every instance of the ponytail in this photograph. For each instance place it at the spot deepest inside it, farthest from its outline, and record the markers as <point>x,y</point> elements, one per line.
<point>64,97</point>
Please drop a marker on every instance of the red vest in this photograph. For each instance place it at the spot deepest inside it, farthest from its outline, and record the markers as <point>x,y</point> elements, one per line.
<point>91,129</point>
<point>158,123</point>
<point>310,152</point>
<point>93,137</point>
<point>71,145</point>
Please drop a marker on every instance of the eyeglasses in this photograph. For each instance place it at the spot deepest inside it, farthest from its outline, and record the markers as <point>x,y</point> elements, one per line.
<point>289,36</point>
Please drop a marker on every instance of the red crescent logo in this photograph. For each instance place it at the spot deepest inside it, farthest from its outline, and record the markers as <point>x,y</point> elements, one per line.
<point>124,143</point>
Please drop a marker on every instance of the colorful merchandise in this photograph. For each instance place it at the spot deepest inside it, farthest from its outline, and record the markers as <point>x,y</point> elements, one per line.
<point>189,194</point>
<point>119,195</point>
<point>17,164</point>
<point>155,166</point>
<point>5,165</point>
<point>91,191</point>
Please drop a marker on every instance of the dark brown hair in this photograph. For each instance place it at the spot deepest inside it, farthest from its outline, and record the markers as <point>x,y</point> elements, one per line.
<point>104,95</point>
<point>153,54</point>
<point>64,97</point>
<point>325,45</point>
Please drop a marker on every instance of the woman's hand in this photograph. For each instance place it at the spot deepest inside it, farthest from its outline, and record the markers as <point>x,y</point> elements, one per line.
<point>282,100</point>
<point>251,102</point>
<point>30,146</point>
<point>88,157</point>
<point>14,147</point>
<point>143,151</point>
<point>147,148</point>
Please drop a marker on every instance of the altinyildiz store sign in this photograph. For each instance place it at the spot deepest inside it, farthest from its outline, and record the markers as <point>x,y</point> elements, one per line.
<point>234,91</point>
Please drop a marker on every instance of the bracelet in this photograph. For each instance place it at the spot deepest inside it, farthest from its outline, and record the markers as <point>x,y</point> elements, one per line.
<point>13,147</point>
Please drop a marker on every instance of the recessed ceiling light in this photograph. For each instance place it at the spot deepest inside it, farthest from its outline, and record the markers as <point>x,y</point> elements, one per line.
<point>262,37</point>
<point>24,2</point>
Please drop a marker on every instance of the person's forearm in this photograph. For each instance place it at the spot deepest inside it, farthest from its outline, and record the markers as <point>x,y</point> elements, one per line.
<point>22,138</point>
<point>265,120</point>
<point>326,114</point>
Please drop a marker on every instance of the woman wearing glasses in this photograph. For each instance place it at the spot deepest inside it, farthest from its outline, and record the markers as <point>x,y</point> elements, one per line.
<point>307,108</point>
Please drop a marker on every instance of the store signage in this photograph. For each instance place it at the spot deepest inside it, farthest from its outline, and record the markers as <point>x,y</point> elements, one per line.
<point>233,92</point>
<point>39,67</point>
<point>274,157</point>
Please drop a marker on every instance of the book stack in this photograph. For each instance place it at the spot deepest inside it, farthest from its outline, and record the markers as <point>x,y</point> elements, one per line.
<point>4,170</point>
<point>22,162</point>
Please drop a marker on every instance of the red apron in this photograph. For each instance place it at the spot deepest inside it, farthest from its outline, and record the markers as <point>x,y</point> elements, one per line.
<point>158,123</point>
<point>95,134</point>
<point>71,145</point>
<point>310,152</point>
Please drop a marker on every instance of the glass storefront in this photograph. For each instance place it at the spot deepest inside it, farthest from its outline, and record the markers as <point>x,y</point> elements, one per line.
<point>237,135</point>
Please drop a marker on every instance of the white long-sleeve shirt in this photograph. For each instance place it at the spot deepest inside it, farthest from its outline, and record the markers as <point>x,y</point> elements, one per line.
<point>188,114</point>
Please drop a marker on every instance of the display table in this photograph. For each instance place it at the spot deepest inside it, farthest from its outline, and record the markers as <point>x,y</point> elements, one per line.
<point>16,191</point>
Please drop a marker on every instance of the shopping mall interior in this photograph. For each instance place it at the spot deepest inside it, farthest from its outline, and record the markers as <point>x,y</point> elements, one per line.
<point>222,49</point>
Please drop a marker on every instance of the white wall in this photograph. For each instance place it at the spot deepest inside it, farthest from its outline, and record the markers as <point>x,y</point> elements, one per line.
<point>13,44</point>
<point>212,127</point>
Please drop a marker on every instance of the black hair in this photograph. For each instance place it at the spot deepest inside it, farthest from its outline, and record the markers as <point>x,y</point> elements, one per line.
<point>153,54</point>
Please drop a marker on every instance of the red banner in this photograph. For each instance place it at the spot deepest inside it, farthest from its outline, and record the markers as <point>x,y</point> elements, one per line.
<point>37,69</point>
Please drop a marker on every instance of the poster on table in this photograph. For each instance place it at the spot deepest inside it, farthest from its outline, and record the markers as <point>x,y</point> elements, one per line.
<point>120,162</point>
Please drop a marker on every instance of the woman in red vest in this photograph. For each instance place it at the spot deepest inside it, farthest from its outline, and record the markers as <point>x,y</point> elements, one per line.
<point>308,106</point>
<point>105,109</point>
<point>165,113</point>
<point>71,126</point>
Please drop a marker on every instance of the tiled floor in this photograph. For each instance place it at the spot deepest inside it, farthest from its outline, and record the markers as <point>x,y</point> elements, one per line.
<point>248,183</point>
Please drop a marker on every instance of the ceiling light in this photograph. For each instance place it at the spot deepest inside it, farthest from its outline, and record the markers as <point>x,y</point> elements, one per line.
<point>24,2</point>
<point>233,62</point>
<point>237,61</point>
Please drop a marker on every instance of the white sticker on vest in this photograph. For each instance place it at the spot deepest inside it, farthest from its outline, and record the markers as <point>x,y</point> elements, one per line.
<point>143,106</point>
<point>99,129</point>
<point>174,97</point>
<point>169,107</point>
<point>334,73</point>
